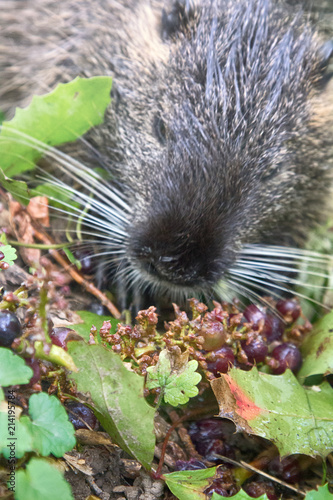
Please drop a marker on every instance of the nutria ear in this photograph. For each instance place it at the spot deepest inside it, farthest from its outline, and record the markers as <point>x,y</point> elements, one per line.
<point>177,17</point>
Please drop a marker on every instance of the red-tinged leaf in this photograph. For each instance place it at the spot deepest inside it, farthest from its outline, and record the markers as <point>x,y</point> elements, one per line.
<point>246,408</point>
<point>297,419</point>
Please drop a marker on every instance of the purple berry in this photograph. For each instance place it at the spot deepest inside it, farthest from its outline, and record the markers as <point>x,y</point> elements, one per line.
<point>254,315</point>
<point>209,448</point>
<point>81,416</point>
<point>258,488</point>
<point>256,350</point>
<point>192,464</point>
<point>287,469</point>
<point>290,310</point>
<point>10,328</point>
<point>217,488</point>
<point>288,356</point>
<point>85,257</point>
<point>273,328</point>
<point>220,361</point>
<point>210,428</point>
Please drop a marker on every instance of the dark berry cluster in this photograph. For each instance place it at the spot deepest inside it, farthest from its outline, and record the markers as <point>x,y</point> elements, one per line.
<point>219,338</point>
<point>215,436</point>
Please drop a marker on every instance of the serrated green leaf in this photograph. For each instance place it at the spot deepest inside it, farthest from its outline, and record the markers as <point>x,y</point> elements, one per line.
<point>117,397</point>
<point>9,253</point>
<point>90,319</point>
<point>190,485</point>
<point>13,369</point>
<point>61,116</point>
<point>317,349</point>
<point>15,437</point>
<point>49,425</point>
<point>297,419</point>
<point>41,481</point>
<point>178,383</point>
<point>321,494</point>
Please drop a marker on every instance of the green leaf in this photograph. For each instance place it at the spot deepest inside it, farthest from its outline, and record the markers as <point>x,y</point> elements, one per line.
<point>190,485</point>
<point>13,369</point>
<point>63,115</point>
<point>317,349</point>
<point>18,189</point>
<point>58,197</point>
<point>297,419</point>
<point>176,376</point>
<point>321,494</point>
<point>15,437</point>
<point>117,397</point>
<point>40,481</point>
<point>317,278</point>
<point>9,253</point>
<point>50,428</point>
<point>91,319</point>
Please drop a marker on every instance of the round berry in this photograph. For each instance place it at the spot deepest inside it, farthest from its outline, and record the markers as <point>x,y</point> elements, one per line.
<point>214,336</point>
<point>86,260</point>
<point>210,428</point>
<point>220,361</point>
<point>192,464</point>
<point>258,488</point>
<point>273,328</point>
<point>256,350</point>
<point>288,469</point>
<point>254,315</point>
<point>10,328</point>
<point>290,310</point>
<point>288,356</point>
<point>209,448</point>
<point>217,488</point>
<point>81,416</point>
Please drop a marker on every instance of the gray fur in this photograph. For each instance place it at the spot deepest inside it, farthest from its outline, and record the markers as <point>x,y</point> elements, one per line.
<point>246,157</point>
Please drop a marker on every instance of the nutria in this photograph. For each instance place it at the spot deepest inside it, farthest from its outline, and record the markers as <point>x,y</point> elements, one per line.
<point>218,139</point>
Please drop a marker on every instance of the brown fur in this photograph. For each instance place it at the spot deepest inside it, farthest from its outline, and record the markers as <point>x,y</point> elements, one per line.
<point>216,184</point>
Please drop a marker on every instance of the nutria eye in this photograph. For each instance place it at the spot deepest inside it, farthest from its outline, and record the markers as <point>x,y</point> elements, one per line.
<point>159,129</point>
